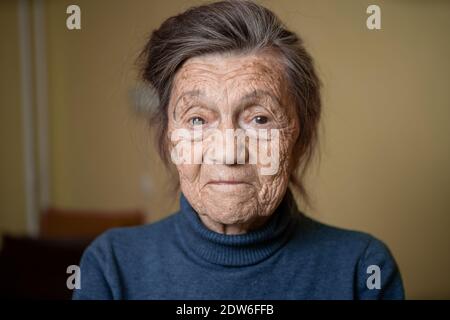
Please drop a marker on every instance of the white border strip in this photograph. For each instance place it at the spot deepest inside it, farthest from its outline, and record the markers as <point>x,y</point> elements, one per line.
<point>26,84</point>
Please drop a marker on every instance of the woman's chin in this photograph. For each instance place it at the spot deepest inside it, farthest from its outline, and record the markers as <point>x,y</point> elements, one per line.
<point>231,213</point>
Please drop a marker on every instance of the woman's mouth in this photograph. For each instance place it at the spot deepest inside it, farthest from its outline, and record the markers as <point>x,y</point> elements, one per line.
<point>226,182</point>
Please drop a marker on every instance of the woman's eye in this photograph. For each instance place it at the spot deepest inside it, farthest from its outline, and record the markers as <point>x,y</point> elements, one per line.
<point>260,119</point>
<point>196,121</point>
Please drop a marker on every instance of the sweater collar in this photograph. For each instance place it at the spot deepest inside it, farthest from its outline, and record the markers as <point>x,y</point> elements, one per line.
<point>237,250</point>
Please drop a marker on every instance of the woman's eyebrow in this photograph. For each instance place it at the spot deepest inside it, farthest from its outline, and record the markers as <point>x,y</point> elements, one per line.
<point>251,96</point>
<point>258,94</point>
<point>191,93</point>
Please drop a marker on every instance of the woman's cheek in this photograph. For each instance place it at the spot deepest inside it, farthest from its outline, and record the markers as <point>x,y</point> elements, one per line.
<point>189,173</point>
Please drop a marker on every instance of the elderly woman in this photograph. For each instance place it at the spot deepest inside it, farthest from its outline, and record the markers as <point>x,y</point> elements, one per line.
<point>223,71</point>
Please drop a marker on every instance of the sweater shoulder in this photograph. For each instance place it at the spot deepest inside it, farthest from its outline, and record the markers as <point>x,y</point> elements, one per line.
<point>340,241</point>
<point>350,256</point>
<point>129,239</point>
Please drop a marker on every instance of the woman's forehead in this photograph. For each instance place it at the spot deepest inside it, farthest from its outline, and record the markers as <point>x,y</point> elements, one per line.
<point>261,71</point>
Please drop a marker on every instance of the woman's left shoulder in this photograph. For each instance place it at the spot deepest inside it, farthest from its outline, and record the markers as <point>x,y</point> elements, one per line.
<point>376,271</point>
<point>341,239</point>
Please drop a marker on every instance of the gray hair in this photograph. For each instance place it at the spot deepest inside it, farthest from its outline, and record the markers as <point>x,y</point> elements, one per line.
<point>241,27</point>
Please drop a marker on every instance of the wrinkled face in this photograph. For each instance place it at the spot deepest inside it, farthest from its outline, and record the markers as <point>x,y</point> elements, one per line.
<point>244,95</point>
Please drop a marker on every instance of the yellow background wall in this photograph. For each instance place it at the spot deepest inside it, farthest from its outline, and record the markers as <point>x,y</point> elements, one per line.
<point>385,134</point>
<point>12,190</point>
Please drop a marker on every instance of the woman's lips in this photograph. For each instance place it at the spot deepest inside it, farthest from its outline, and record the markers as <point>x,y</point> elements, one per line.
<point>226,182</point>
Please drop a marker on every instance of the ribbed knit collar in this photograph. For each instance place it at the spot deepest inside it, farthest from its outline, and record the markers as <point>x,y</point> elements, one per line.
<point>237,250</point>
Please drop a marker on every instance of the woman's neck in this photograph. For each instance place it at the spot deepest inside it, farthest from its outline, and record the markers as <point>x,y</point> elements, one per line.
<point>233,229</point>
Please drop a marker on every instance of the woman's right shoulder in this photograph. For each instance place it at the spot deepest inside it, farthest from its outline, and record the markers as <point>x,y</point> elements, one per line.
<point>128,238</point>
<point>120,251</point>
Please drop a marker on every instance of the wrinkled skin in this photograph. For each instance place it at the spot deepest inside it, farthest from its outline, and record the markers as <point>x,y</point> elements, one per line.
<point>230,91</point>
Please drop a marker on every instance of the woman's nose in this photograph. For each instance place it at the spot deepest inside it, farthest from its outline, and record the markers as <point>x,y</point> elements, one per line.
<point>227,146</point>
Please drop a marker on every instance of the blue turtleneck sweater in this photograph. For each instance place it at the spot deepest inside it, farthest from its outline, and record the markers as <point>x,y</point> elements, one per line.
<point>291,257</point>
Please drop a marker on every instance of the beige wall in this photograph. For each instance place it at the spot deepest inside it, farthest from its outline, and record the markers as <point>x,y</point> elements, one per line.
<point>12,189</point>
<point>100,149</point>
<point>385,135</point>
